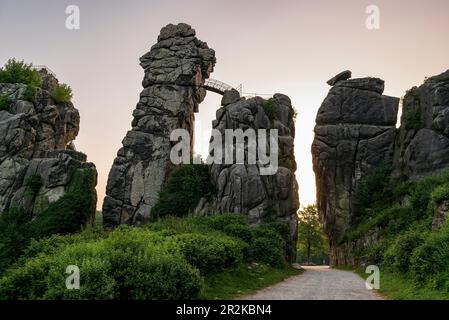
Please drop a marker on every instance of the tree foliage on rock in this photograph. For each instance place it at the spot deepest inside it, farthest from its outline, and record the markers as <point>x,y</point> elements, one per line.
<point>184,189</point>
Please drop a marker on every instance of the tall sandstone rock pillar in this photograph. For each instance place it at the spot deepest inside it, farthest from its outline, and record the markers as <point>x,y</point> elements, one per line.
<point>354,132</point>
<point>175,70</point>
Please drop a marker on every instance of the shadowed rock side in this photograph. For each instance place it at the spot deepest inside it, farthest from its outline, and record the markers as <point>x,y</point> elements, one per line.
<point>422,145</point>
<point>354,132</point>
<point>36,142</point>
<point>175,69</point>
<point>240,187</point>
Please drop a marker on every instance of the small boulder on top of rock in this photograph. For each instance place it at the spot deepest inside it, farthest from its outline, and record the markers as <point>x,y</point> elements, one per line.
<point>230,97</point>
<point>345,75</point>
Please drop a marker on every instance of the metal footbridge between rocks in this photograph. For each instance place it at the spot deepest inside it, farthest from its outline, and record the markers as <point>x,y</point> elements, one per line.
<point>220,87</point>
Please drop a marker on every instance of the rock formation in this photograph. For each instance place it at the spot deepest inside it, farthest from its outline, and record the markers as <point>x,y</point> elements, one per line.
<point>241,187</point>
<point>355,131</point>
<point>175,70</point>
<point>422,145</point>
<point>36,143</point>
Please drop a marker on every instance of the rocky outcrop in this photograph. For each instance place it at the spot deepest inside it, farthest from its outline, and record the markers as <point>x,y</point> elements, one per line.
<point>175,70</point>
<point>38,162</point>
<point>354,132</point>
<point>241,187</point>
<point>422,146</point>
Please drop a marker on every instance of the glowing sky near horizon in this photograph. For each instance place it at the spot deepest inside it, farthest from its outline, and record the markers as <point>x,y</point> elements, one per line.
<point>290,47</point>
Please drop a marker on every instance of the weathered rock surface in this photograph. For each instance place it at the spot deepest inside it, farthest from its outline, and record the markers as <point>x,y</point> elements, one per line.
<point>344,75</point>
<point>36,139</point>
<point>175,70</point>
<point>355,131</point>
<point>422,146</point>
<point>241,187</point>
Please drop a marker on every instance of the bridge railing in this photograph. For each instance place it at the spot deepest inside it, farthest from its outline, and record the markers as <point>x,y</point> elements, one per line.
<point>220,87</point>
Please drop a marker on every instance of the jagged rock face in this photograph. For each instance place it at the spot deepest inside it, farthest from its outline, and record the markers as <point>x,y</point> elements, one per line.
<point>175,70</point>
<point>241,187</point>
<point>354,132</point>
<point>36,139</point>
<point>422,146</point>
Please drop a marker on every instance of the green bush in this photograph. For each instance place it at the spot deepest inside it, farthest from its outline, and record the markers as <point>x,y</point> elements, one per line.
<point>269,107</point>
<point>432,257</point>
<point>62,93</point>
<point>268,245</point>
<point>371,192</point>
<point>440,193</point>
<point>20,72</point>
<point>184,189</point>
<point>373,254</point>
<point>30,93</point>
<point>268,250</point>
<point>239,231</point>
<point>210,253</point>
<point>127,264</point>
<point>412,119</point>
<point>4,103</point>
<point>14,235</point>
<point>69,214</point>
<point>397,257</point>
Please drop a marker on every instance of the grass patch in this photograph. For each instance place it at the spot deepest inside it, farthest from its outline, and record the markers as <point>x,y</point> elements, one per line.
<point>62,93</point>
<point>395,286</point>
<point>243,280</point>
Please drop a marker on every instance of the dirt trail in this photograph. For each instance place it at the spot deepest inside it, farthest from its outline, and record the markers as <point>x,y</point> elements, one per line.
<point>318,283</point>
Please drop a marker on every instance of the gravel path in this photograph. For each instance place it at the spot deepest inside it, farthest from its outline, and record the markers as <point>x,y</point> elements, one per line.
<point>318,283</point>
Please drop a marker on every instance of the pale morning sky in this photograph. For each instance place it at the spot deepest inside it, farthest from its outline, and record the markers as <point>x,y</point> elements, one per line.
<point>292,47</point>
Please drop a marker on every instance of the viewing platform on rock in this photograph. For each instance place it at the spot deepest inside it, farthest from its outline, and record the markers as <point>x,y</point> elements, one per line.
<point>220,87</point>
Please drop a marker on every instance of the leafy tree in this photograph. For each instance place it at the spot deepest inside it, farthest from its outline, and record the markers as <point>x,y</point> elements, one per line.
<point>312,242</point>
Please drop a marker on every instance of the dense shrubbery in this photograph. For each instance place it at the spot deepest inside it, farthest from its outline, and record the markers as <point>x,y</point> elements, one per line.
<point>164,260</point>
<point>20,72</point>
<point>184,189</point>
<point>62,93</point>
<point>67,215</point>
<point>210,253</point>
<point>430,261</point>
<point>397,256</point>
<point>408,245</point>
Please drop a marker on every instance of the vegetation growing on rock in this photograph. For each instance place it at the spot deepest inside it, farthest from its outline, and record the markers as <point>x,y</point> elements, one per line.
<point>62,93</point>
<point>184,189</point>
<point>67,215</point>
